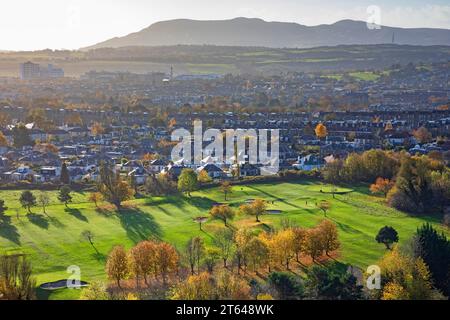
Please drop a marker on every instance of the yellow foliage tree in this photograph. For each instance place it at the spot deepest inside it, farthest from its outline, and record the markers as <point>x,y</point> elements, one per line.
<point>406,277</point>
<point>321,131</point>
<point>329,236</point>
<point>203,177</point>
<point>3,140</point>
<point>284,244</point>
<point>97,129</point>
<point>117,265</point>
<point>222,212</point>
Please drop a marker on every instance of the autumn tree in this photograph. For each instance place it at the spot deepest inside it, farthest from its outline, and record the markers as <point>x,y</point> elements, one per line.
<point>143,260</point>
<point>324,206</point>
<point>299,241</point>
<point>95,197</point>
<point>422,135</point>
<point>73,119</point>
<point>212,255</point>
<point>258,253</point>
<point>231,287</point>
<point>329,236</point>
<point>284,242</point>
<point>117,265</point>
<point>223,239</point>
<point>187,181</point>
<point>166,260</point>
<point>222,212</point>
<point>257,208</point>
<point>413,188</point>
<point>16,280</point>
<point>113,188</point>
<point>224,286</point>
<point>387,235</point>
<point>203,177</point>
<point>44,200</point>
<point>195,287</point>
<point>64,195</point>
<point>97,129</point>
<point>242,238</point>
<point>313,243</point>
<point>172,123</point>
<point>225,187</point>
<point>440,186</point>
<point>194,251</point>
<point>5,119</point>
<point>96,291</point>
<point>406,277</point>
<point>40,119</point>
<point>321,131</point>
<point>27,200</point>
<point>382,186</point>
<point>268,239</point>
<point>3,140</point>
<point>333,171</point>
<point>160,185</point>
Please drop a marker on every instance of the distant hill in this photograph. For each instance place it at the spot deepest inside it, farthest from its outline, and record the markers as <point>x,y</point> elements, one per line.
<point>259,33</point>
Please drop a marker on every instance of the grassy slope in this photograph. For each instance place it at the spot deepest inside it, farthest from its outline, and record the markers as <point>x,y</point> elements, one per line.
<point>54,242</point>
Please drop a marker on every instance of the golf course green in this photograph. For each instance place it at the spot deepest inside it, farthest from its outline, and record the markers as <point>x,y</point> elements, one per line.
<point>53,241</point>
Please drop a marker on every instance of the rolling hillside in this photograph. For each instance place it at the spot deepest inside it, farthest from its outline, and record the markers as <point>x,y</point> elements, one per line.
<point>259,33</point>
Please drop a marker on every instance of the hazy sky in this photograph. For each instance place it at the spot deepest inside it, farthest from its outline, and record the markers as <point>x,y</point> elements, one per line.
<point>71,24</point>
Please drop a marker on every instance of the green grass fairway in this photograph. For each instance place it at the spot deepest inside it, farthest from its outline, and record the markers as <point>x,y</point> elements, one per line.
<point>53,242</point>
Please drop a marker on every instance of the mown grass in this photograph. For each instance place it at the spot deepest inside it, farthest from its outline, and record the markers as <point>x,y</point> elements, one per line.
<point>53,241</point>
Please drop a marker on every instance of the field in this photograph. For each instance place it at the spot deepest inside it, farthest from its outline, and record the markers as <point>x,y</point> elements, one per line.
<point>53,241</point>
<point>224,60</point>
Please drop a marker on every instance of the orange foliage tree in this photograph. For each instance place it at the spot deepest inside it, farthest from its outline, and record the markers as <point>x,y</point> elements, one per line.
<point>382,186</point>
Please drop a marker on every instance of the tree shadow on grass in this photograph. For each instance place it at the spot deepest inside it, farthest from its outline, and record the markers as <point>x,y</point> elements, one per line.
<point>200,202</point>
<point>38,220</point>
<point>56,222</point>
<point>275,197</point>
<point>77,214</point>
<point>8,231</point>
<point>105,211</point>
<point>345,227</point>
<point>99,256</point>
<point>139,225</point>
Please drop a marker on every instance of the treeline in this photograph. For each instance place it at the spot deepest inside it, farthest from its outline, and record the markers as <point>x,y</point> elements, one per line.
<point>412,184</point>
<point>220,270</point>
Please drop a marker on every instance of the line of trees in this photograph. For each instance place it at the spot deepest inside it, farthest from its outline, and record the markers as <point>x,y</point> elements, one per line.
<point>146,259</point>
<point>409,183</point>
<point>267,250</point>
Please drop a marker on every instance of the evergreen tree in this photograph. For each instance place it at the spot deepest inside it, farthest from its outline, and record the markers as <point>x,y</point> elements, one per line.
<point>65,177</point>
<point>434,249</point>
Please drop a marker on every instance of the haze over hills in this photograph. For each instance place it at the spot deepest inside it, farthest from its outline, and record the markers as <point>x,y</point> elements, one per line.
<point>257,32</point>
